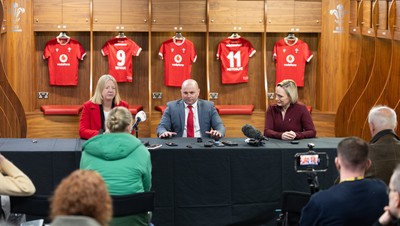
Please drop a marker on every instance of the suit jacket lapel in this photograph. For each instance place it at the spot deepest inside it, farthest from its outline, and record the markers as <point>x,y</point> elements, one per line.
<point>181,111</point>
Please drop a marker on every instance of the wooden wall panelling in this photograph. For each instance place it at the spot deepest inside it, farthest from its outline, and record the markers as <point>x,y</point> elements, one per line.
<point>12,116</point>
<point>61,94</point>
<point>157,67</point>
<point>368,27</point>
<point>294,16</point>
<point>396,30</point>
<point>252,92</point>
<point>239,16</point>
<point>121,15</point>
<point>179,15</point>
<point>333,77</point>
<point>69,15</point>
<point>361,56</point>
<point>307,94</point>
<point>377,79</point>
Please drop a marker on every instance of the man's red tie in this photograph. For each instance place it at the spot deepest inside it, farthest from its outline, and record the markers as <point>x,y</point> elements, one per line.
<point>190,123</point>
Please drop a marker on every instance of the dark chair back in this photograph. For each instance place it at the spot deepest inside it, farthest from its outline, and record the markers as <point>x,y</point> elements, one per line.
<point>34,207</point>
<point>292,204</point>
<point>124,205</point>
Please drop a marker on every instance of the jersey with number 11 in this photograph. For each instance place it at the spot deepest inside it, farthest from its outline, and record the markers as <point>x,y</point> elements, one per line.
<point>120,52</point>
<point>234,54</point>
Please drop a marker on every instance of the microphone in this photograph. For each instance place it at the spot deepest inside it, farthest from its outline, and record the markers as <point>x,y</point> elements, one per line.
<point>253,133</point>
<point>139,117</point>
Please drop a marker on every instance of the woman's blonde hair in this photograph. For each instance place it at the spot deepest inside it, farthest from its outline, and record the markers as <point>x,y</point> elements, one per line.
<point>82,193</point>
<point>290,88</point>
<point>97,98</point>
<point>118,119</point>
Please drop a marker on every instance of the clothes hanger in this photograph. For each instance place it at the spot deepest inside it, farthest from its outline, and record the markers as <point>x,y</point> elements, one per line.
<point>291,36</point>
<point>63,38</point>
<point>62,35</point>
<point>234,35</point>
<point>120,35</point>
<point>178,36</point>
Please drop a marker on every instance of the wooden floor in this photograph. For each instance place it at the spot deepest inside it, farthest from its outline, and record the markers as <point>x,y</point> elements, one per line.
<point>40,126</point>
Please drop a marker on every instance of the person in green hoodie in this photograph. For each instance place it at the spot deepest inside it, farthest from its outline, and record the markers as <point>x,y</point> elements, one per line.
<point>121,159</point>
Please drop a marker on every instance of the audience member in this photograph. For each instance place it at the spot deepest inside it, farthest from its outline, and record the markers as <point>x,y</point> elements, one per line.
<point>13,181</point>
<point>206,120</point>
<point>122,160</point>
<point>288,119</point>
<point>384,149</point>
<point>391,215</point>
<point>355,200</point>
<point>95,111</point>
<point>81,199</point>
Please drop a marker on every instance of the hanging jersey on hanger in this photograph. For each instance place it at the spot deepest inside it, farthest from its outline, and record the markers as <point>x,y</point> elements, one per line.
<point>234,54</point>
<point>178,56</point>
<point>290,60</point>
<point>63,58</point>
<point>119,51</point>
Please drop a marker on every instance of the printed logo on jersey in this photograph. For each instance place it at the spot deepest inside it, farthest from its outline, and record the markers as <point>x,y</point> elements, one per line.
<point>63,59</point>
<point>178,59</point>
<point>290,59</point>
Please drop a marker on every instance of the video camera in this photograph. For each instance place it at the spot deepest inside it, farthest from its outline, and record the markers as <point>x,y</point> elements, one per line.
<point>311,161</point>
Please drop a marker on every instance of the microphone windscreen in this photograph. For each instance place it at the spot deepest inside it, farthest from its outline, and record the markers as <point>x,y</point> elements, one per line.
<point>249,131</point>
<point>140,116</point>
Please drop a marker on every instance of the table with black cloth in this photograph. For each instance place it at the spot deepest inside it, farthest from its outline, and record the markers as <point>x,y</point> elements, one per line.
<point>194,185</point>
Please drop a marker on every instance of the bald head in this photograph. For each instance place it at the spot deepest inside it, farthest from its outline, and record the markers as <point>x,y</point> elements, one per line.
<point>381,118</point>
<point>190,91</point>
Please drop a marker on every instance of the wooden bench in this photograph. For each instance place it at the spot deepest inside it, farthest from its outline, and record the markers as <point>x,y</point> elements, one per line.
<point>134,109</point>
<point>161,108</point>
<point>61,109</point>
<point>235,109</point>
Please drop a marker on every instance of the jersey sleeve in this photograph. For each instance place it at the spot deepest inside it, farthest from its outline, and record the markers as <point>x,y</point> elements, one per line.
<point>136,49</point>
<point>105,50</point>
<point>308,55</point>
<point>161,53</point>
<point>82,52</point>
<point>193,55</point>
<point>46,51</point>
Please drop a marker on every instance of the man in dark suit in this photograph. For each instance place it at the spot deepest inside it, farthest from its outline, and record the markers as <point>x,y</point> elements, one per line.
<point>384,147</point>
<point>206,120</point>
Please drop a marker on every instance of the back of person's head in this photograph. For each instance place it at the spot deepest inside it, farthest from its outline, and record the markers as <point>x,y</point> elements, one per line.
<point>101,83</point>
<point>119,119</point>
<point>353,153</point>
<point>290,88</point>
<point>82,193</point>
<point>382,117</point>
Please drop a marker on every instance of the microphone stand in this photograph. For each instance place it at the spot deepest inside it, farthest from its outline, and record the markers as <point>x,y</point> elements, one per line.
<point>136,131</point>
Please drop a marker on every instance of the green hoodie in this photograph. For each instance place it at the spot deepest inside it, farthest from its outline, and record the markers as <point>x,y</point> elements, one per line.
<point>121,159</point>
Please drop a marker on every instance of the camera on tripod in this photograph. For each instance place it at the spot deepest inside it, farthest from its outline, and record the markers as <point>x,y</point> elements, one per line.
<point>311,161</point>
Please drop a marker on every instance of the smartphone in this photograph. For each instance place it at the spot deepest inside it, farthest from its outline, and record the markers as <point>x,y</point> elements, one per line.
<point>311,162</point>
<point>171,144</point>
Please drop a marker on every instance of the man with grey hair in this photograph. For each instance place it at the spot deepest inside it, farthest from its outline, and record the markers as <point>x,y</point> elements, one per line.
<point>392,210</point>
<point>384,147</point>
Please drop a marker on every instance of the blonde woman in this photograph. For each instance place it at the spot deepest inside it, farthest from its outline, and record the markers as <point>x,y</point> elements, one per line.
<point>95,111</point>
<point>288,119</point>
